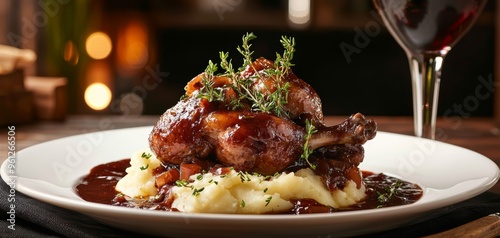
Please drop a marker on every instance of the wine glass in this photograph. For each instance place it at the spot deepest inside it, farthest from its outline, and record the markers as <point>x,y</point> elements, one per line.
<point>427,30</point>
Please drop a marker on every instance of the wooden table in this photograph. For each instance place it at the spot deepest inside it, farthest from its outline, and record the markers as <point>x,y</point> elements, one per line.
<point>478,134</point>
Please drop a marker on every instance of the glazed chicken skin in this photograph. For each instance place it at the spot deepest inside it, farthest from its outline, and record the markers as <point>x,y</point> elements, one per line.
<point>266,144</point>
<point>253,141</point>
<point>197,129</point>
<point>176,136</point>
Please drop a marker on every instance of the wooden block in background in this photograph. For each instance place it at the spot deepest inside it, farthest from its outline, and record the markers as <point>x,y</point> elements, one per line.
<point>13,81</point>
<point>16,107</point>
<point>50,96</point>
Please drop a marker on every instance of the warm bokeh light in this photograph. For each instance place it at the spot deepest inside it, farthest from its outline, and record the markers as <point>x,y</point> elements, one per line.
<point>97,96</point>
<point>98,45</point>
<point>71,54</point>
<point>299,11</point>
<point>132,45</point>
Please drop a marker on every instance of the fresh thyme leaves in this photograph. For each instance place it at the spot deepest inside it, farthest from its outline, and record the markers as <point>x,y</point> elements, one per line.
<point>276,100</point>
<point>144,167</point>
<point>245,50</point>
<point>208,91</point>
<point>283,62</point>
<point>390,192</point>
<point>242,204</point>
<point>225,64</point>
<point>310,130</point>
<point>264,91</point>
<point>265,100</point>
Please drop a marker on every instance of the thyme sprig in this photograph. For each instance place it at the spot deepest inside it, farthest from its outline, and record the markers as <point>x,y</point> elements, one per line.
<point>208,91</point>
<point>307,150</point>
<point>283,62</point>
<point>390,192</point>
<point>263,99</point>
<point>245,51</point>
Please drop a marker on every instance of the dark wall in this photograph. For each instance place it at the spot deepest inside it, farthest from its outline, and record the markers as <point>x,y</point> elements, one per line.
<point>376,81</point>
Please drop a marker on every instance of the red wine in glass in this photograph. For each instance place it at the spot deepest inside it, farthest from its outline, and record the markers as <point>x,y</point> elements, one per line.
<point>427,30</point>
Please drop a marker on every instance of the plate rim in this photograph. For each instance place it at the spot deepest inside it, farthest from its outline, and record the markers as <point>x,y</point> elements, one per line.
<point>85,207</point>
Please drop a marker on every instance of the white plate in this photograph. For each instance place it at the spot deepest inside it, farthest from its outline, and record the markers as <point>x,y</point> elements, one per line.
<point>448,174</point>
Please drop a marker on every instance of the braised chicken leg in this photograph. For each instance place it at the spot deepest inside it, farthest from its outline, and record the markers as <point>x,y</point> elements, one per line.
<point>176,135</point>
<point>248,141</point>
<point>205,126</point>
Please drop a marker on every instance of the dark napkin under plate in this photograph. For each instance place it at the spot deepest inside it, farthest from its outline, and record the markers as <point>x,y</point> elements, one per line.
<point>38,219</point>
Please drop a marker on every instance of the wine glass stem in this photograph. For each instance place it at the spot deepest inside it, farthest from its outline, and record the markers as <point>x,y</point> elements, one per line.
<point>426,75</point>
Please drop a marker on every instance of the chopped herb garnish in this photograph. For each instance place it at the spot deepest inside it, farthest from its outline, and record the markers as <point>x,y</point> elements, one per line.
<point>144,167</point>
<point>199,177</point>
<point>268,200</point>
<point>242,204</point>
<point>244,176</point>
<point>181,183</point>
<point>197,191</point>
<point>216,182</point>
<point>265,190</point>
<point>145,155</point>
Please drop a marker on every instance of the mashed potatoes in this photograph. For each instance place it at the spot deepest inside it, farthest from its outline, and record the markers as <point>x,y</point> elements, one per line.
<point>139,181</point>
<point>236,192</point>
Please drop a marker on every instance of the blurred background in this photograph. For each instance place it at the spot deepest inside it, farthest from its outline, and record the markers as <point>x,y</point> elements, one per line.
<point>135,57</point>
